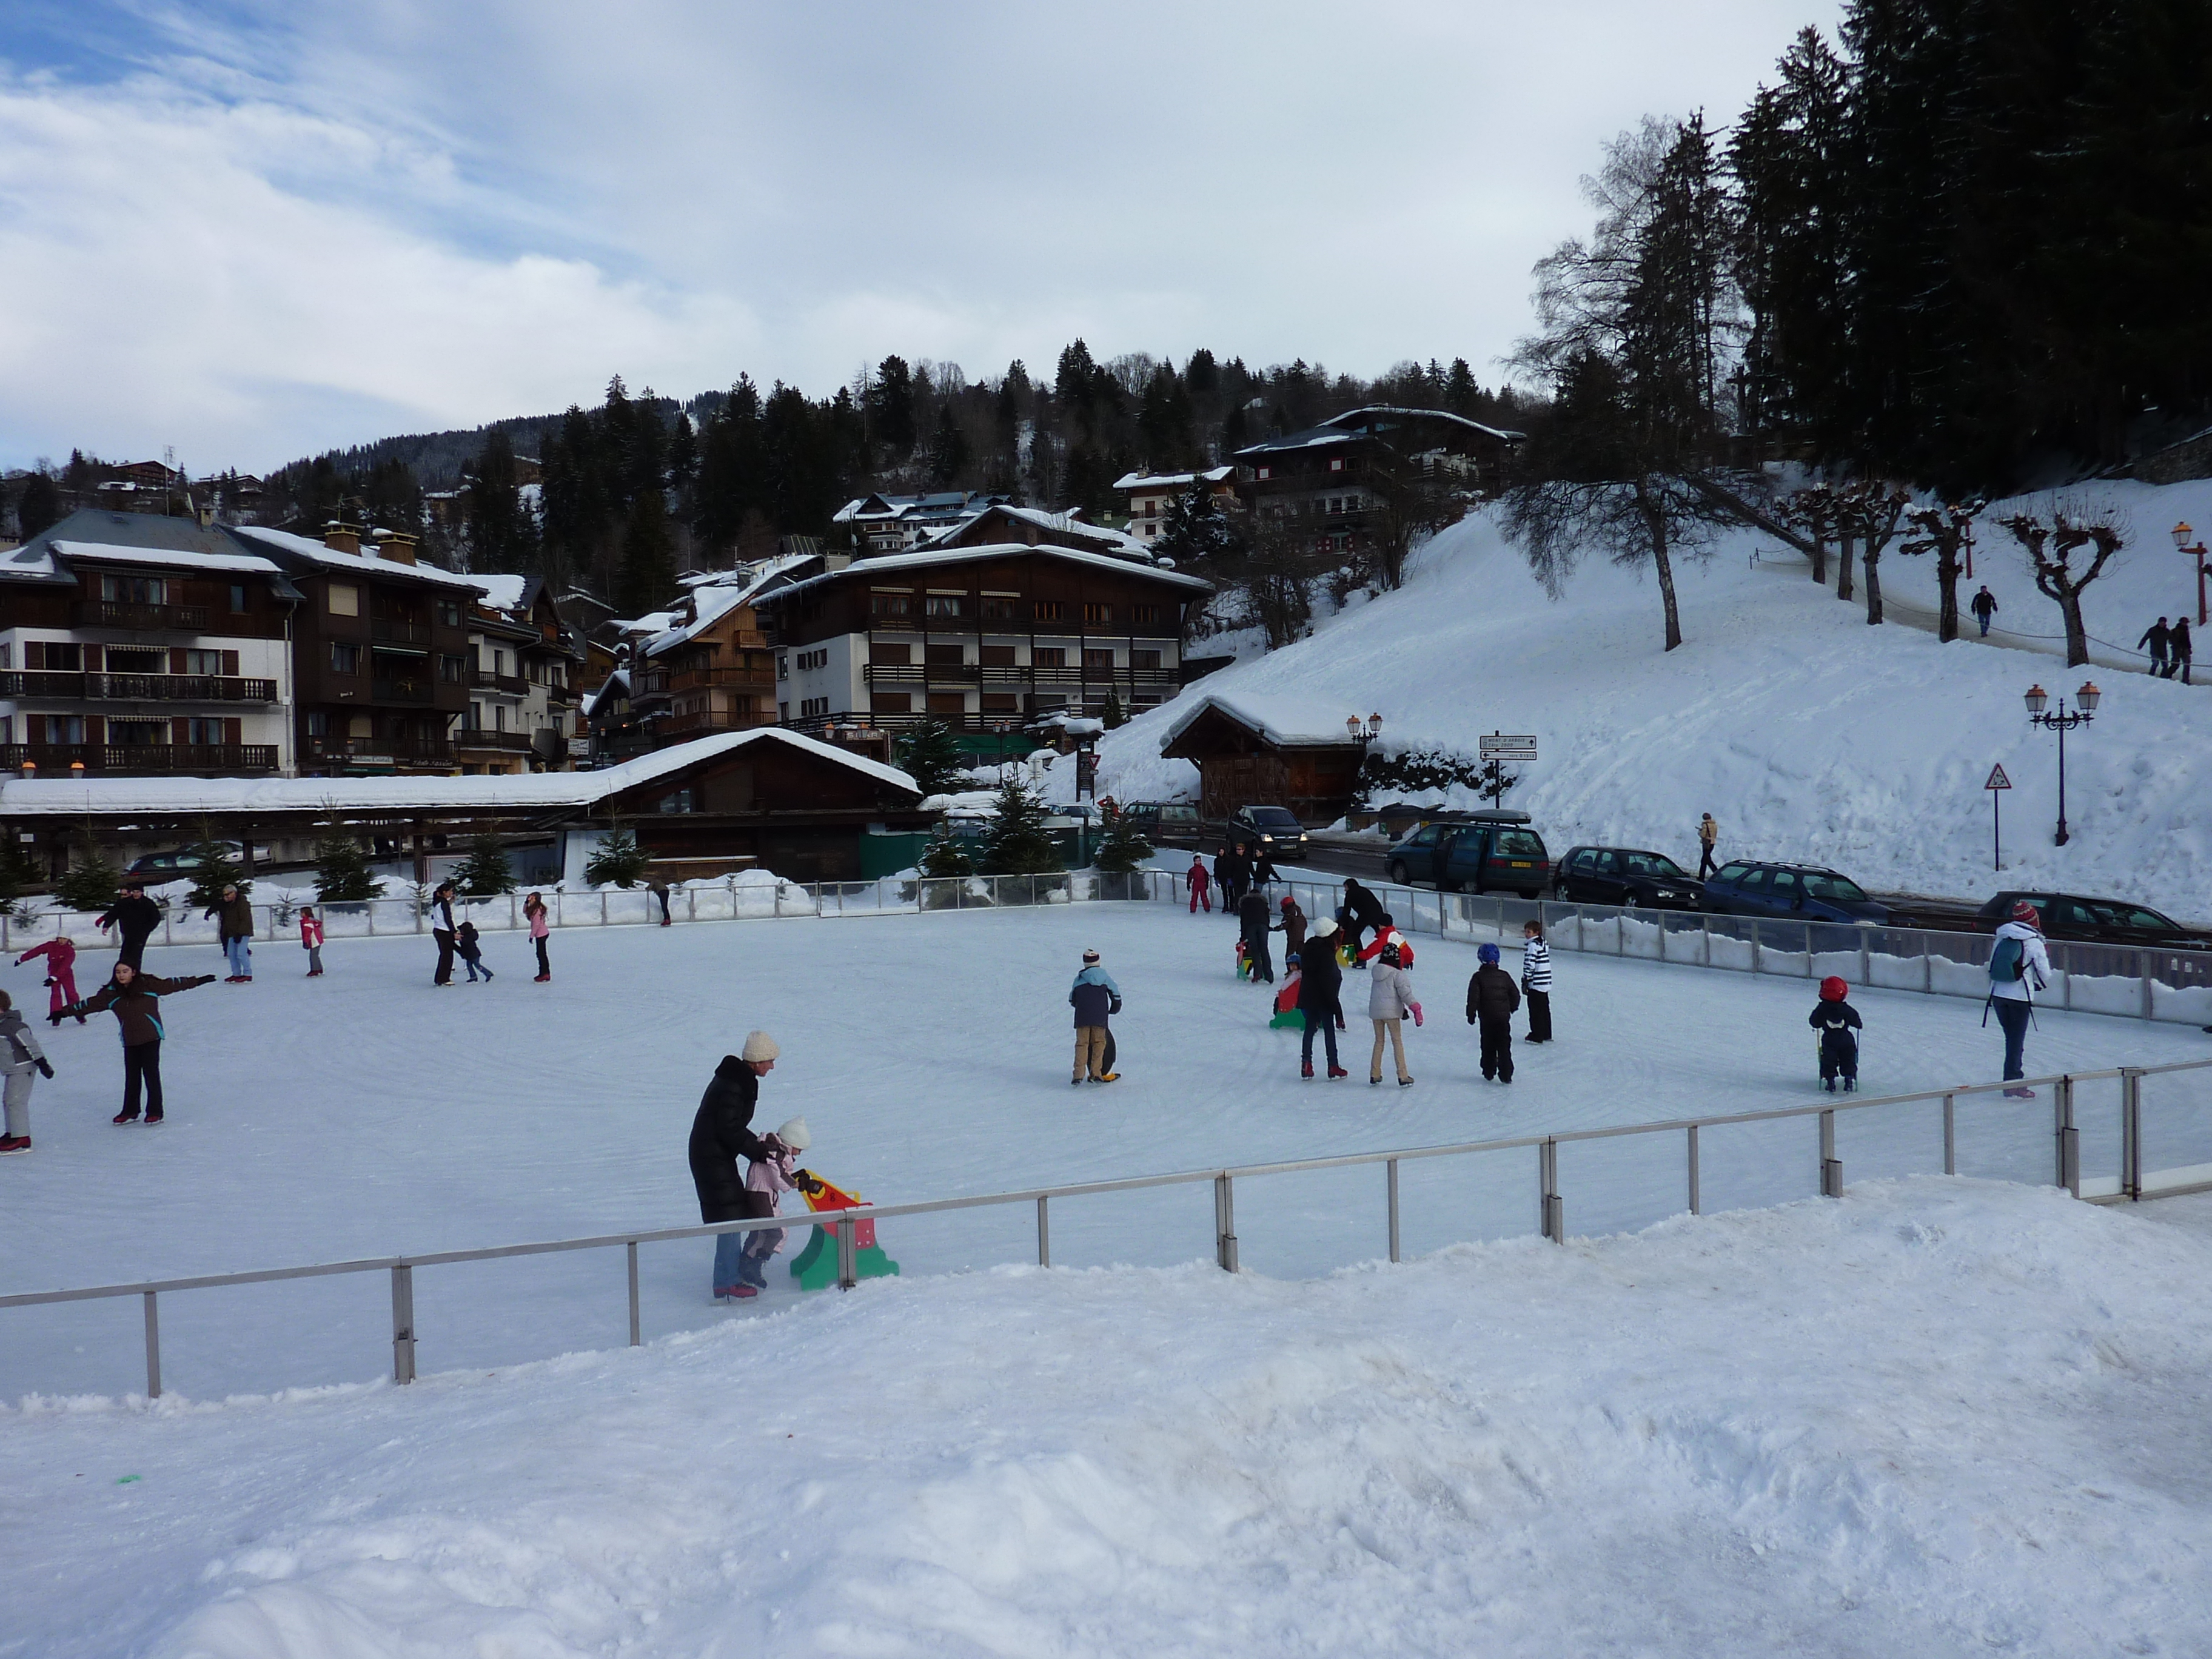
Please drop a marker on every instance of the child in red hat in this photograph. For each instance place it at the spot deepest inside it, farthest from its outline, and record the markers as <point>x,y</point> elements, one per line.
<point>1837,1023</point>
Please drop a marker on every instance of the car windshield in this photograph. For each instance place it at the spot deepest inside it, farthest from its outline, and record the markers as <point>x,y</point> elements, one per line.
<point>2105,913</point>
<point>1827,885</point>
<point>1651,863</point>
<point>1271,817</point>
<point>1425,835</point>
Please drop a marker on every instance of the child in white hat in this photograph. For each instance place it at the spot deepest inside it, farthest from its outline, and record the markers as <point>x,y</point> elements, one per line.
<point>776,1174</point>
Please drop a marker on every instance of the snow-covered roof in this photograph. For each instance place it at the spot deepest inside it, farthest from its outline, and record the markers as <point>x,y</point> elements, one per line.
<point>1287,721</point>
<point>1057,524</point>
<point>503,593</point>
<point>1444,415</point>
<point>542,791</point>
<point>617,684</point>
<point>169,558</point>
<point>864,569</point>
<point>283,542</point>
<point>1172,480</point>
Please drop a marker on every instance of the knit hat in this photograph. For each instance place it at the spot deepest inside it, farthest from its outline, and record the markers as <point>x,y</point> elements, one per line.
<point>2023,911</point>
<point>794,1135</point>
<point>1323,926</point>
<point>1833,989</point>
<point>1091,959</point>
<point>759,1047</point>
<point>1487,953</point>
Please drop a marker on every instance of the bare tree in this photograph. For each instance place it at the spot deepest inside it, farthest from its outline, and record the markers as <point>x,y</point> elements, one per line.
<point>1647,519</point>
<point>1410,500</point>
<point>1271,576</point>
<point>1944,531</point>
<point>1871,514</point>
<point>2051,540</point>
<point>1813,511</point>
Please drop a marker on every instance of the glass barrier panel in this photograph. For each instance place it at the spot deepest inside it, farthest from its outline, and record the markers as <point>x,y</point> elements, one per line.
<point>1623,1184</point>
<point>2176,1113</point>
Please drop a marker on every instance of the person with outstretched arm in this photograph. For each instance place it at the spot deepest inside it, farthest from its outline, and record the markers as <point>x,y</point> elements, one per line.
<point>2020,966</point>
<point>135,999</point>
<point>135,917</point>
<point>60,954</point>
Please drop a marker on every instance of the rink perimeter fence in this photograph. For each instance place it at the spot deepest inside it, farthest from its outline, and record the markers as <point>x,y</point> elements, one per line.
<point>2124,1133</point>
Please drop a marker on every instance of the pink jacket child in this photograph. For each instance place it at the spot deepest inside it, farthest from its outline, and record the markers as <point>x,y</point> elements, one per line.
<point>311,940</point>
<point>774,1174</point>
<point>1201,885</point>
<point>61,974</point>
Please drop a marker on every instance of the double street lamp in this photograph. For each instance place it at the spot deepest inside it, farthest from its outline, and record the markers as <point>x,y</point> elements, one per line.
<point>2061,721</point>
<point>2194,549</point>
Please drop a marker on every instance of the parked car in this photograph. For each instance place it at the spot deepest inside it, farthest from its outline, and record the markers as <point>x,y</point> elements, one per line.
<point>1478,851</point>
<point>1164,820</point>
<point>179,864</point>
<point>1802,892</point>
<point>1269,829</point>
<point>2096,920</point>
<point>1630,876</point>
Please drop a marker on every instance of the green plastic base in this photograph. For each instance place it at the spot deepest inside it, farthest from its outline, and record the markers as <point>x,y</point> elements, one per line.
<point>1290,1019</point>
<point>815,1268</point>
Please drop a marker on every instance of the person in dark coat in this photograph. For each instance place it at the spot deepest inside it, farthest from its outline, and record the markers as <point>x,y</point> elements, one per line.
<point>1362,911</point>
<point>1292,928</point>
<point>1321,985</point>
<point>135,917</point>
<point>1984,607</point>
<point>1838,1025</point>
<point>1491,999</point>
<point>2180,651</point>
<point>442,930</point>
<point>2157,637</point>
<point>1232,874</point>
<point>135,999</point>
<point>233,925</point>
<point>722,1134</point>
<point>1252,912</point>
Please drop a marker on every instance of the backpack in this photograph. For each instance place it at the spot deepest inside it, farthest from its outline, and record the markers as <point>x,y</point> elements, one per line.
<point>2007,962</point>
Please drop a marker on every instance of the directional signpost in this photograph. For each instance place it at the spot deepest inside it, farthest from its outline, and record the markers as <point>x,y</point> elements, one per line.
<point>1496,751</point>
<point>1997,782</point>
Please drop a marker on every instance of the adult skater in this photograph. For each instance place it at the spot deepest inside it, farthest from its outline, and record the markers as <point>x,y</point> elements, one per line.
<point>1094,996</point>
<point>1490,1001</point>
<point>1264,873</point>
<point>135,917</point>
<point>722,1134</point>
<point>2020,966</point>
<point>1536,980</point>
<point>2179,650</point>
<point>533,912</point>
<point>1201,885</point>
<point>1321,986</point>
<point>1389,999</point>
<point>1252,912</point>
<point>1362,911</point>
<point>19,1055</point>
<point>1708,834</point>
<point>2157,637</point>
<point>442,930</point>
<point>233,925</point>
<point>60,956</point>
<point>311,940</point>
<point>1232,873</point>
<point>1292,928</point>
<point>135,1001</point>
<point>1984,607</point>
<point>659,888</point>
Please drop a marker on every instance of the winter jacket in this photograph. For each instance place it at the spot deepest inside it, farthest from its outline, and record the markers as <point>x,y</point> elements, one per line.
<point>1835,1022</point>
<point>772,1177</point>
<point>1200,880</point>
<point>1293,930</point>
<point>137,1008</point>
<point>1383,941</point>
<point>2035,964</point>
<point>539,927</point>
<point>1708,831</point>
<point>465,942</point>
<point>18,1047</point>
<point>1491,994</point>
<point>1321,979</point>
<point>2177,647</point>
<point>136,918</point>
<point>442,916</point>
<point>1264,871</point>
<point>1362,905</point>
<point>2155,637</point>
<point>311,931</point>
<point>1252,912</point>
<point>60,955</point>
<point>1232,869</point>
<point>722,1134</point>
<point>1094,996</point>
<point>1536,966</point>
<point>1389,993</point>
<point>1985,603</point>
<point>234,917</point>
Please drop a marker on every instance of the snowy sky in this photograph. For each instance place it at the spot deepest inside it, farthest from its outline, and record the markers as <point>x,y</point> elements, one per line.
<point>258,228</point>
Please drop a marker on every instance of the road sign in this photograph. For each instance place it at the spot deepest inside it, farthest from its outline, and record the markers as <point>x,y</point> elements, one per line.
<point>1499,746</point>
<point>1997,779</point>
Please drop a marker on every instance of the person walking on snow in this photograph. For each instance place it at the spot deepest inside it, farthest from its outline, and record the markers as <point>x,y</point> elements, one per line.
<point>1389,999</point>
<point>722,1134</point>
<point>2157,636</point>
<point>1536,980</point>
<point>1708,833</point>
<point>61,974</point>
<point>311,940</point>
<point>1201,886</point>
<point>441,929</point>
<point>1985,606</point>
<point>2020,966</point>
<point>1490,1002</point>
<point>1836,1020</point>
<point>774,1176</point>
<point>1320,988</point>
<point>135,1001</point>
<point>1252,912</point>
<point>1094,996</point>
<point>233,926</point>
<point>136,917</point>
<point>19,1055</point>
<point>2179,649</point>
<point>534,911</point>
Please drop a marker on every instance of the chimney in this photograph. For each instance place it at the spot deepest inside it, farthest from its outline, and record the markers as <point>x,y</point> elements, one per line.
<point>395,545</point>
<point>341,537</point>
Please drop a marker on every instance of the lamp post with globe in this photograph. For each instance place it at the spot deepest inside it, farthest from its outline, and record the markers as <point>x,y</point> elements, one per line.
<point>2061,721</point>
<point>2195,550</point>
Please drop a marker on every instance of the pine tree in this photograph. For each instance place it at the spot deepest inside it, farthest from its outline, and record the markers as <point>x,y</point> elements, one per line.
<point>1122,847</point>
<point>648,561</point>
<point>487,870</point>
<point>214,871</point>
<point>1115,716</point>
<point>91,880</point>
<point>948,448</point>
<point>931,756</point>
<point>342,871</point>
<point>618,859</point>
<point>1017,843</point>
<point>945,855</point>
<point>38,507</point>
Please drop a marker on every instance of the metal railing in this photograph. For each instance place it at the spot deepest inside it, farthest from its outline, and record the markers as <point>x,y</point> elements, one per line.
<point>114,613</point>
<point>1550,1206</point>
<point>139,759</point>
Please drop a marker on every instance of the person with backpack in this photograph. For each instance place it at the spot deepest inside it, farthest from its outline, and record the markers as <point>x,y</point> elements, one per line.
<point>1491,1001</point>
<point>2020,966</point>
<point>1837,1023</point>
<point>19,1055</point>
<point>1985,606</point>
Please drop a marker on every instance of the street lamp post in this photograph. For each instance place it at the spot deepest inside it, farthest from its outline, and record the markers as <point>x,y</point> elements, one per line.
<point>2062,722</point>
<point>2193,550</point>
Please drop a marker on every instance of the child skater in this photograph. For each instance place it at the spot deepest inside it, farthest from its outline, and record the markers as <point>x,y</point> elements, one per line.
<point>1536,980</point>
<point>1836,1022</point>
<point>470,951</point>
<point>774,1174</point>
<point>61,974</point>
<point>311,940</point>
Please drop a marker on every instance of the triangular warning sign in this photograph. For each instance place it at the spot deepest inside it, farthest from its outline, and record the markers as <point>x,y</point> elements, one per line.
<point>1997,779</point>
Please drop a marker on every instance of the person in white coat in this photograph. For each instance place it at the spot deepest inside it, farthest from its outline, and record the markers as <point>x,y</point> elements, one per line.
<point>1389,999</point>
<point>19,1055</point>
<point>2020,966</point>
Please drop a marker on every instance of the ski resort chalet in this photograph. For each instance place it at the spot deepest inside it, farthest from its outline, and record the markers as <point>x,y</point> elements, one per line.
<point>1270,752</point>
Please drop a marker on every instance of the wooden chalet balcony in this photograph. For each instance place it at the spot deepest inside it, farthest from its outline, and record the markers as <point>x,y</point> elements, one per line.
<point>510,743</point>
<point>35,685</point>
<point>417,690</point>
<point>701,679</point>
<point>559,696</point>
<point>141,759</point>
<point>703,722</point>
<point>399,631</point>
<point>397,749</point>
<point>141,618</point>
<point>513,684</point>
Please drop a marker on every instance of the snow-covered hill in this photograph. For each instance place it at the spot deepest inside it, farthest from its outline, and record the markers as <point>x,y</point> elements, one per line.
<point>1807,735</point>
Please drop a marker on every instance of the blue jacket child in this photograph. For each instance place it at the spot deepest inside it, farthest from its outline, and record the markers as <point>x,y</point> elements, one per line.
<point>1094,996</point>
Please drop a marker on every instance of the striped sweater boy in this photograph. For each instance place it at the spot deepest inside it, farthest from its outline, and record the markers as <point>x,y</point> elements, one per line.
<point>1536,981</point>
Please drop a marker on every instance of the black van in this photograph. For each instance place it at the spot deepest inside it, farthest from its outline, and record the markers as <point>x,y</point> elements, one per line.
<point>1479,851</point>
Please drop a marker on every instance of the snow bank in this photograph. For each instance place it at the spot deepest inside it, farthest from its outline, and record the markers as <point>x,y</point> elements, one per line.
<point>1937,1417</point>
<point>1807,735</point>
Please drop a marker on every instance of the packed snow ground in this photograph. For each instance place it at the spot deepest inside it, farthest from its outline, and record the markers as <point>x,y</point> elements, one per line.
<point>365,1113</point>
<point>1938,1416</point>
<point>1807,735</point>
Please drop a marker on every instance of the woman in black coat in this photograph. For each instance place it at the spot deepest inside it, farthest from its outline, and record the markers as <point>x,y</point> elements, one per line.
<point>722,1134</point>
<point>1320,981</point>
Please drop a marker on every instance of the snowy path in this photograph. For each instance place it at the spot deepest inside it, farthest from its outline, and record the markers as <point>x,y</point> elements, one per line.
<point>365,1113</point>
<point>1938,1417</point>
